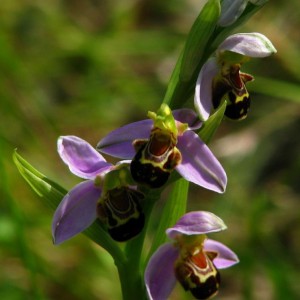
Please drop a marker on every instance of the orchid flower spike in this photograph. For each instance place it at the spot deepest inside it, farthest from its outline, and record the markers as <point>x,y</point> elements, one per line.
<point>107,193</point>
<point>220,78</point>
<point>163,143</point>
<point>231,10</point>
<point>191,258</point>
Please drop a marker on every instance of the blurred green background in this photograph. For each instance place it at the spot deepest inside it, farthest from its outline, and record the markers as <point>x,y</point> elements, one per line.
<point>84,68</point>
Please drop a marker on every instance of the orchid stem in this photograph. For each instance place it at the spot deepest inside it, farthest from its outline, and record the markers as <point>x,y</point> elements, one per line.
<point>130,272</point>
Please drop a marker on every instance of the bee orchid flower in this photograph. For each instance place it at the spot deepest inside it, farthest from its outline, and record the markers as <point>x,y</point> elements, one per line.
<point>220,78</point>
<point>106,193</point>
<point>163,143</point>
<point>190,258</point>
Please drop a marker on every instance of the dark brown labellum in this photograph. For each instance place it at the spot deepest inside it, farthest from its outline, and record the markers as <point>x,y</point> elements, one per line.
<point>198,275</point>
<point>155,160</point>
<point>238,106</point>
<point>231,87</point>
<point>121,211</point>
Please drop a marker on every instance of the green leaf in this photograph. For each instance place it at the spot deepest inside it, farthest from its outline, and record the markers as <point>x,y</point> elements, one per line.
<point>199,35</point>
<point>51,194</point>
<point>174,208</point>
<point>50,191</point>
<point>183,79</point>
<point>210,126</point>
<point>173,85</point>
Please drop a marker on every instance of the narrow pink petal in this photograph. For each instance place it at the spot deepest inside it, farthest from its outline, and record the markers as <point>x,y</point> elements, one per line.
<point>196,222</point>
<point>188,116</point>
<point>159,274</point>
<point>252,44</point>
<point>118,143</point>
<point>82,159</point>
<point>225,258</point>
<point>199,165</point>
<point>203,92</point>
<point>76,212</point>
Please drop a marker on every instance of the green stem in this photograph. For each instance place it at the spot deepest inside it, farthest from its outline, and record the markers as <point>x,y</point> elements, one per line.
<point>99,235</point>
<point>130,275</point>
<point>174,207</point>
<point>131,282</point>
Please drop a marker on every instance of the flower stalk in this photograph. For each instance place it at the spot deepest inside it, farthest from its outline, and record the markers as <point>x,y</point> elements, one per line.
<point>132,282</point>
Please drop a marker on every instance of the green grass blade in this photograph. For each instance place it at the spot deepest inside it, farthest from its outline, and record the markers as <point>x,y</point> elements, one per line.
<point>276,88</point>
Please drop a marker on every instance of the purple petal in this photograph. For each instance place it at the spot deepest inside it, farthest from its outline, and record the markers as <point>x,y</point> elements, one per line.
<point>249,44</point>
<point>203,92</point>
<point>196,222</point>
<point>226,257</point>
<point>76,212</point>
<point>118,143</point>
<point>199,165</point>
<point>83,160</point>
<point>159,274</point>
<point>231,10</point>
<point>186,115</point>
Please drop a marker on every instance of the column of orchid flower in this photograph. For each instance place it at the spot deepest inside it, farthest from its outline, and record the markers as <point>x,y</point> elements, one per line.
<point>168,148</point>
